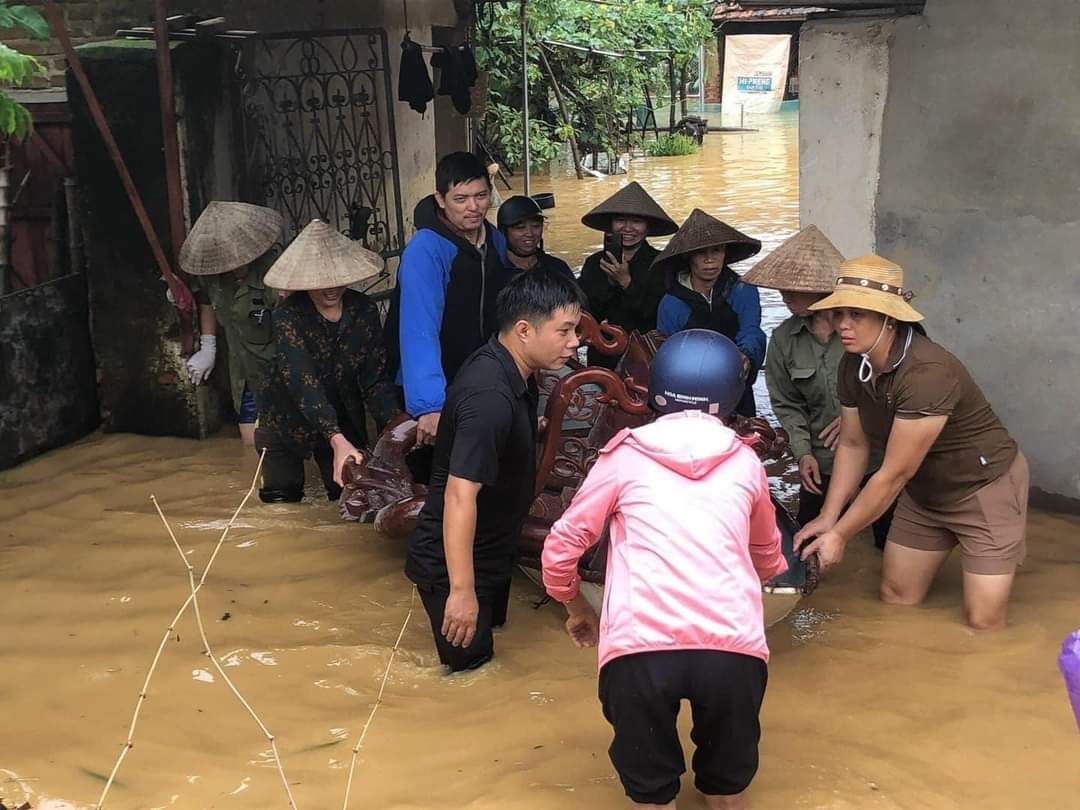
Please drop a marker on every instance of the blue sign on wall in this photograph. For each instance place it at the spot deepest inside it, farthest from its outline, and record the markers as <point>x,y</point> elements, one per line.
<point>753,84</point>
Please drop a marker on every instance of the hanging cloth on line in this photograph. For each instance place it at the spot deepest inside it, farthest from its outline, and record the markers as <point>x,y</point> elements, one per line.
<point>414,83</point>
<point>458,74</point>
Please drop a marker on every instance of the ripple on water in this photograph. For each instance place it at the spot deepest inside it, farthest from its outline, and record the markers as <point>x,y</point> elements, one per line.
<point>808,624</point>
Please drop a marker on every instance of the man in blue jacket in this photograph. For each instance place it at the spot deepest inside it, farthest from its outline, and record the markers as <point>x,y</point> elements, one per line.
<point>443,307</point>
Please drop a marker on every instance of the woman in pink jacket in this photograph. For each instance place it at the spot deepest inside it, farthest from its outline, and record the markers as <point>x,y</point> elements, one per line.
<point>693,535</point>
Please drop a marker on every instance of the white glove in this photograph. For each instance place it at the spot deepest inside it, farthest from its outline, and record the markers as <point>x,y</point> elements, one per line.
<point>201,363</point>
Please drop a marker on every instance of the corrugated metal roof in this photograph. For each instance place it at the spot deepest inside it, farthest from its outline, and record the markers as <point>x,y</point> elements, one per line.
<point>725,12</point>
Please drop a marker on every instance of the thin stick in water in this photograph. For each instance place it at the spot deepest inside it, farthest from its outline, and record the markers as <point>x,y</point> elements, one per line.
<point>378,700</point>
<point>129,743</point>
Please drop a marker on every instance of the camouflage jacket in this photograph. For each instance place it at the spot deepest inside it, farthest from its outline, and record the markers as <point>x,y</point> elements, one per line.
<point>242,306</point>
<point>326,376</point>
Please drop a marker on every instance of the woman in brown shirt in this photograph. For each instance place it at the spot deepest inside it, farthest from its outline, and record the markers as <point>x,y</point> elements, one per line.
<point>961,478</point>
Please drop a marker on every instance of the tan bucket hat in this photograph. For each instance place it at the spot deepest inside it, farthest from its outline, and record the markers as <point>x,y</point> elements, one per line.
<point>631,201</point>
<point>228,235</point>
<point>806,262</point>
<point>702,231</point>
<point>873,283</point>
<point>321,257</point>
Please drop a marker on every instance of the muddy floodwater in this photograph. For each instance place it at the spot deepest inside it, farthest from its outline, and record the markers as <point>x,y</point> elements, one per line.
<point>868,706</point>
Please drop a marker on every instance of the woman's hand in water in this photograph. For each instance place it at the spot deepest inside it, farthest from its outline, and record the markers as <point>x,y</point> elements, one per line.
<point>582,625</point>
<point>817,527</point>
<point>829,547</point>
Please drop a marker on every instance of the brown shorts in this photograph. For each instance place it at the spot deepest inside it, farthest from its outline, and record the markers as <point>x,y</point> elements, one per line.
<point>989,525</point>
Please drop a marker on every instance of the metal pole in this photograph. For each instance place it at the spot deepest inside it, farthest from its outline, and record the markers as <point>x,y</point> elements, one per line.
<point>177,228</point>
<point>525,95</point>
<point>74,223</point>
<point>701,79</point>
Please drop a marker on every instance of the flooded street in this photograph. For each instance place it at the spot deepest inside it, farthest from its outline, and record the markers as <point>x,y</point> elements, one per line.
<point>868,706</point>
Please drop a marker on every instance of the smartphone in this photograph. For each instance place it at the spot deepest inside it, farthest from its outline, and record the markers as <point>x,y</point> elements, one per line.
<point>613,245</point>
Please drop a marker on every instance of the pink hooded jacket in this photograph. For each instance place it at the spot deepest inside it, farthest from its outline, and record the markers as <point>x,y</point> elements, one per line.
<point>692,537</point>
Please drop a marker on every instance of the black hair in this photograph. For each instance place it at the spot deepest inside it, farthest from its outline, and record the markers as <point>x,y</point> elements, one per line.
<point>534,295</point>
<point>459,167</point>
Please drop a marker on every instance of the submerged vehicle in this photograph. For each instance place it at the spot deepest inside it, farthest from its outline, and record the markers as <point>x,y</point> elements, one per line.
<point>585,407</point>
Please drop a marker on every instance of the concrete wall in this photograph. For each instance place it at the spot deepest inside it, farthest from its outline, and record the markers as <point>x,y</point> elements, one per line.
<point>844,78</point>
<point>47,395</point>
<point>976,194</point>
<point>979,199</point>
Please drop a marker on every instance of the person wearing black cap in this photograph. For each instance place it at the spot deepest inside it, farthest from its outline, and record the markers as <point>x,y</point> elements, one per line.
<point>621,289</point>
<point>522,223</point>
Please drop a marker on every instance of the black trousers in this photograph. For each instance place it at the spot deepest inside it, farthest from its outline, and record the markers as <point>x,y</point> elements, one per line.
<point>641,694</point>
<point>810,507</point>
<point>493,608</point>
<point>283,467</point>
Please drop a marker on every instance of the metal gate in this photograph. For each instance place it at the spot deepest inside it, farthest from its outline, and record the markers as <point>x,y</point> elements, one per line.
<point>318,129</point>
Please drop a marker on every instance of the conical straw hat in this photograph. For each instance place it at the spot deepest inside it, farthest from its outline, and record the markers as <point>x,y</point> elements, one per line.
<point>702,231</point>
<point>320,258</point>
<point>806,262</point>
<point>631,201</point>
<point>873,283</point>
<point>228,235</point>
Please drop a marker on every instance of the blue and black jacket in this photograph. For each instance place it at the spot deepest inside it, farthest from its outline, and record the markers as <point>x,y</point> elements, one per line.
<point>734,312</point>
<point>443,307</point>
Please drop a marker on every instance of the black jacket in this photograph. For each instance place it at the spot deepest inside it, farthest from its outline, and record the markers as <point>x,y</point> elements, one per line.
<point>633,308</point>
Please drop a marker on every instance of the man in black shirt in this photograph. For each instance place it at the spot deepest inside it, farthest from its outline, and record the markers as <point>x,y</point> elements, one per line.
<point>462,553</point>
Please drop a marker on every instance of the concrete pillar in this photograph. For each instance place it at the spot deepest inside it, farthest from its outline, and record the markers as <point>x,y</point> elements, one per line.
<point>843,85</point>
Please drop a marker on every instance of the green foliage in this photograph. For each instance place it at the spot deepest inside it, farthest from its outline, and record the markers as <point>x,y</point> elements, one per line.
<point>671,145</point>
<point>24,17</point>
<point>18,69</point>
<point>504,128</point>
<point>599,91</point>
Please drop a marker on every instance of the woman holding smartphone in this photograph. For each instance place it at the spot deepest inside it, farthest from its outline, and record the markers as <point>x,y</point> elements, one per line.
<point>617,280</point>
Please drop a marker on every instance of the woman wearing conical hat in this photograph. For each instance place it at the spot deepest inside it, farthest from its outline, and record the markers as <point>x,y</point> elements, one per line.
<point>801,365</point>
<point>329,367</point>
<point>703,292</point>
<point>961,479</point>
<point>620,288</point>
<point>226,253</point>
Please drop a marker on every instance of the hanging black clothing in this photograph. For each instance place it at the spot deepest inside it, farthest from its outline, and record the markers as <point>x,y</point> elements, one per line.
<point>458,75</point>
<point>414,83</point>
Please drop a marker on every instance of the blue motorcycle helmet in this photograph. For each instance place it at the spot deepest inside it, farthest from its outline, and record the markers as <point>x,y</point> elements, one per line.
<point>697,369</point>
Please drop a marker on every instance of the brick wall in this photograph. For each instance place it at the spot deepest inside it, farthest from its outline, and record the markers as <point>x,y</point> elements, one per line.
<point>86,21</point>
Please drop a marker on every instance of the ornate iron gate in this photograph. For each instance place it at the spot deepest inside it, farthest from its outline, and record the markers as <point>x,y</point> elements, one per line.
<point>319,137</point>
